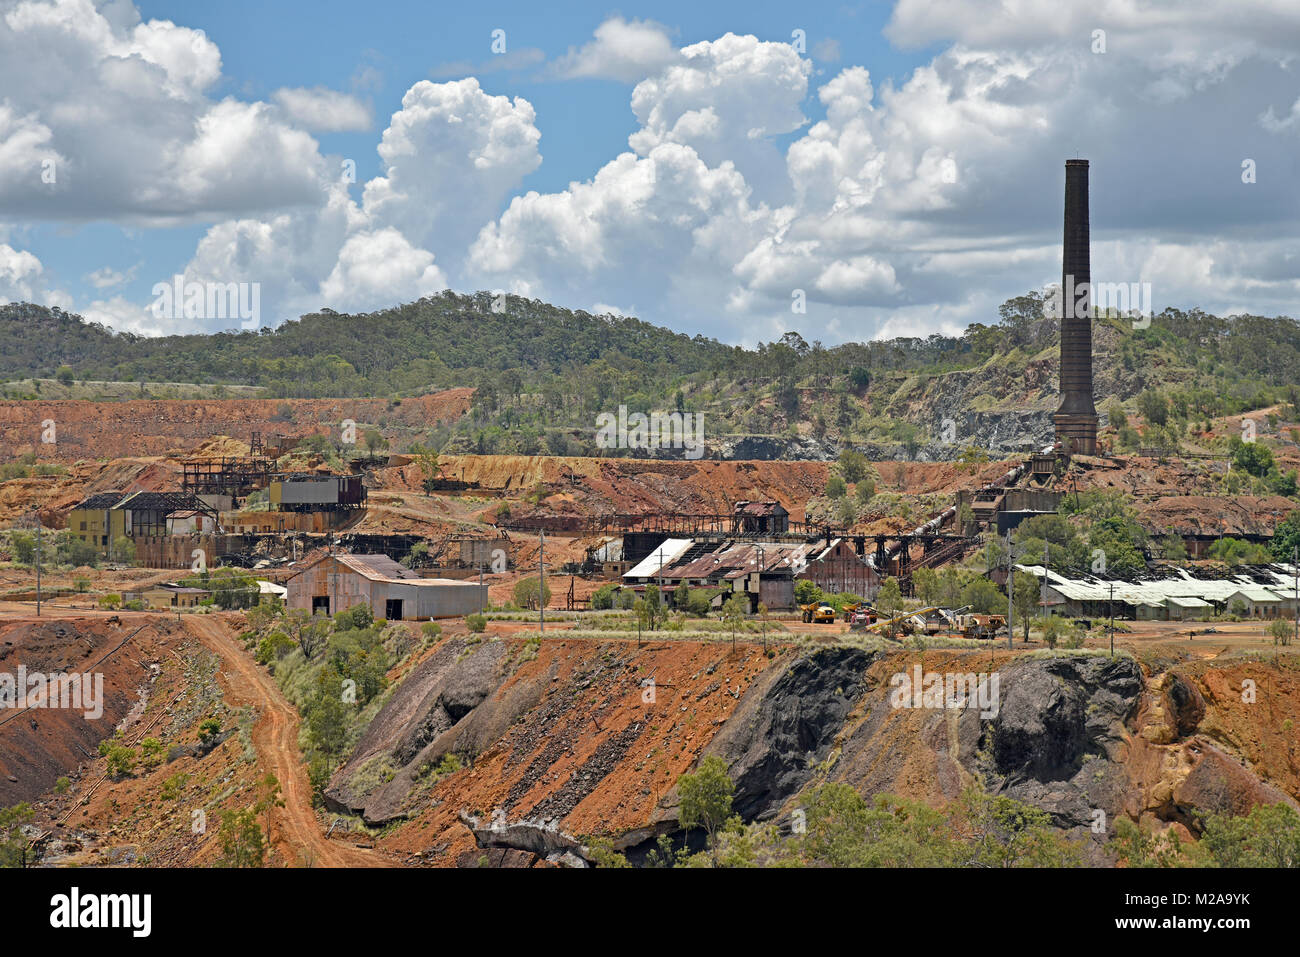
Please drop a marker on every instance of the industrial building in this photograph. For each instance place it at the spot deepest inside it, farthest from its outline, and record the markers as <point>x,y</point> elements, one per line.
<point>168,595</point>
<point>311,492</point>
<point>330,583</point>
<point>101,519</point>
<point>765,571</point>
<point>94,522</point>
<point>1266,591</point>
<point>223,481</point>
<point>761,518</point>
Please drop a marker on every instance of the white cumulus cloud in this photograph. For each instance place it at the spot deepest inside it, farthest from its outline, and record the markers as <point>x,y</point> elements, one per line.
<point>624,50</point>
<point>324,110</point>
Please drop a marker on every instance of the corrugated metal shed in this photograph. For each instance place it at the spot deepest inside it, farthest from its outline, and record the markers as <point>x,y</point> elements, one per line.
<point>1157,591</point>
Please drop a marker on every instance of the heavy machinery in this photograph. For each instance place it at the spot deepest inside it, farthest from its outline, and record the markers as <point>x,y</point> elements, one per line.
<point>851,609</point>
<point>862,617</point>
<point>819,612</point>
<point>902,622</point>
<point>982,626</point>
<point>943,620</point>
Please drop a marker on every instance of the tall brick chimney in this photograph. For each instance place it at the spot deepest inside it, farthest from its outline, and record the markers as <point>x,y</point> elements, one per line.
<point>1076,419</point>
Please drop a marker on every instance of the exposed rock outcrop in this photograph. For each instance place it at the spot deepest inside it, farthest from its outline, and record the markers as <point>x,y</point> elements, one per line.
<point>777,737</point>
<point>432,714</point>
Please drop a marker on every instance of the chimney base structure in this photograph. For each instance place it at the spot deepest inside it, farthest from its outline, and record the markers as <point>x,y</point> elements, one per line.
<point>1076,419</point>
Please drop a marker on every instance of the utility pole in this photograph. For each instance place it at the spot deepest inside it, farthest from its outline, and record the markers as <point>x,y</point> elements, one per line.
<point>1112,619</point>
<point>1295,567</point>
<point>1011,572</point>
<point>541,580</point>
<point>37,514</point>
<point>481,595</point>
<point>1042,592</point>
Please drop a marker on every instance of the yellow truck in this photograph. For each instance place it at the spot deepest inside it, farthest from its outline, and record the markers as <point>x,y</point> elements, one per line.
<point>818,612</point>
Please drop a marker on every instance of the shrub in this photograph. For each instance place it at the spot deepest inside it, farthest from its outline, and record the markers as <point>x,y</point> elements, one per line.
<point>603,597</point>
<point>172,787</point>
<point>806,592</point>
<point>476,623</point>
<point>699,601</point>
<point>865,491</point>
<point>274,647</point>
<point>121,759</point>
<point>526,592</point>
<point>358,616</point>
<point>151,749</point>
<point>853,466</point>
<point>1281,630</point>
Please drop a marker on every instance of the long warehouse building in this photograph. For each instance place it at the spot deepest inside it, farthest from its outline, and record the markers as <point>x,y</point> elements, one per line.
<point>329,584</point>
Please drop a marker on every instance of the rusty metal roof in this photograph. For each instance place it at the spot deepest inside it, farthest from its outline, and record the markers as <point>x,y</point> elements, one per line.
<point>734,560</point>
<point>376,567</point>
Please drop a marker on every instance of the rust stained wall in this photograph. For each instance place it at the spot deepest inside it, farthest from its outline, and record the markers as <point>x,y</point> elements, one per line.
<point>344,587</point>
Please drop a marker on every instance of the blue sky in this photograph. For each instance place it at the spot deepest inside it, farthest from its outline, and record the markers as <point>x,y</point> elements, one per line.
<point>268,46</point>
<point>897,172</point>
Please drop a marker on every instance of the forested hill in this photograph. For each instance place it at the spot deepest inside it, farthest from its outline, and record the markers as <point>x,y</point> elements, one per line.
<point>438,341</point>
<point>538,367</point>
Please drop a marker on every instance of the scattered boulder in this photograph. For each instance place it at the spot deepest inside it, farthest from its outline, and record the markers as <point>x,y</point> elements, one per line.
<point>539,836</point>
<point>1184,704</point>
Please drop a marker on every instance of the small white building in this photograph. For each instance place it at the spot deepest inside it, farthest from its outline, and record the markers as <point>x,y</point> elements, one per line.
<point>271,589</point>
<point>190,522</point>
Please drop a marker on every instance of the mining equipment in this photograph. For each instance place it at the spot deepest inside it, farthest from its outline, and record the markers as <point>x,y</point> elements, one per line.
<point>306,492</point>
<point>982,626</point>
<point>903,621</point>
<point>862,617</point>
<point>818,612</point>
<point>851,608</point>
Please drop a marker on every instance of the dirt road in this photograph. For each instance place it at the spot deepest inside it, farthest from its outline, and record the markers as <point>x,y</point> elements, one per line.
<point>275,736</point>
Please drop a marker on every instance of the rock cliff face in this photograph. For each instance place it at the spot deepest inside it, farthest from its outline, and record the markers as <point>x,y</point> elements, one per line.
<point>775,740</point>
<point>571,739</point>
<point>1058,737</point>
